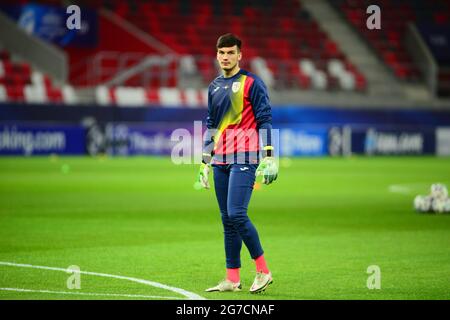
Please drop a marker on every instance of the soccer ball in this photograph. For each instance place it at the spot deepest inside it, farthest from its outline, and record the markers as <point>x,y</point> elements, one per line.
<point>422,203</point>
<point>447,205</point>
<point>439,191</point>
<point>439,205</point>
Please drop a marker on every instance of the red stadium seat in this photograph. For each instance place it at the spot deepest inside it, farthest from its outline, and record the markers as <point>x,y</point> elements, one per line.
<point>20,83</point>
<point>55,95</point>
<point>15,93</point>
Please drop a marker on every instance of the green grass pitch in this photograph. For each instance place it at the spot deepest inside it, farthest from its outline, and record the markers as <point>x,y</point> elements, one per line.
<point>322,224</point>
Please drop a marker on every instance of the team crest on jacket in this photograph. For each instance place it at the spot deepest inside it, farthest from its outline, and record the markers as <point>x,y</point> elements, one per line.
<point>236,86</point>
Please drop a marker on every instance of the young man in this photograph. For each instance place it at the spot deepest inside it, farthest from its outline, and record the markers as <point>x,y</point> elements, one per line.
<point>239,116</point>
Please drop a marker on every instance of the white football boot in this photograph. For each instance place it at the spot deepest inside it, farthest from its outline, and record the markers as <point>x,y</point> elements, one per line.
<point>226,285</point>
<point>262,281</point>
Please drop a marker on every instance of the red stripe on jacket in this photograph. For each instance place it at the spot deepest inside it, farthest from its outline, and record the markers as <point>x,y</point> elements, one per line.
<point>241,137</point>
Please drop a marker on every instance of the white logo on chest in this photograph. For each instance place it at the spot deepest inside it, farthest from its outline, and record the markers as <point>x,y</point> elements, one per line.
<point>235,87</point>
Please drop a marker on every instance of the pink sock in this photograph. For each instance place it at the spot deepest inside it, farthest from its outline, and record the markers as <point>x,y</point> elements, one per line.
<point>233,275</point>
<point>261,265</point>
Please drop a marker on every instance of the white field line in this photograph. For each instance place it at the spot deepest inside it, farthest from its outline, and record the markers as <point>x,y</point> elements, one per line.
<point>408,188</point>
<point>397,188</point>
<point>88,293</point>
<point>187,294</point>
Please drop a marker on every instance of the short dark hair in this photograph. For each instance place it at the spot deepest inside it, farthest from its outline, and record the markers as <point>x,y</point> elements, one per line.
<point>228,40</point>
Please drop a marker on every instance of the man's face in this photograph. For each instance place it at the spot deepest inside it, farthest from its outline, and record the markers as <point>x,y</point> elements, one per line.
<point>228,57</point>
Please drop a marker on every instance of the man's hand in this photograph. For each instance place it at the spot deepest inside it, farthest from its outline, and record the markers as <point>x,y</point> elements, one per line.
<point>268,169</point>
<point>202,177</point>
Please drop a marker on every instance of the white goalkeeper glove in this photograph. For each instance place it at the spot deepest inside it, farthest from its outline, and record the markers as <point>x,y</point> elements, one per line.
<point>268,169</point>
<point>202,180</point>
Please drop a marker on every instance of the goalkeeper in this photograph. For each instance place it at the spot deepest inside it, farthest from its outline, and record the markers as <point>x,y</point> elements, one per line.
<point>239,117</point>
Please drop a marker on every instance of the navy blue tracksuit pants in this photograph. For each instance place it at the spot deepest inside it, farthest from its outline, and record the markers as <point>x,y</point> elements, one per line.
<point>234,186</point>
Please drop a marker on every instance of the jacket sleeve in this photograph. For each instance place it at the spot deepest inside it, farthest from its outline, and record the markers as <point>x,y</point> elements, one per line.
<point>208,142</point>
<point>262,110</point>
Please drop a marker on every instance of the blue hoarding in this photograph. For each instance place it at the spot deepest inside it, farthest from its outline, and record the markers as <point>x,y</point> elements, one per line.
<point>50,24</point>
<point>393,141</point>
<point>303,131</point>
<point>303,141</point>
<point>140,139</point>
<point>17,139</point>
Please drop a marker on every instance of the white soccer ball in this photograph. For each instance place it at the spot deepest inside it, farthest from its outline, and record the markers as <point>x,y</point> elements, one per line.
<point>422,203</point>
<point>439,205</point>
<point>439,191</point>
<point>447,205</point>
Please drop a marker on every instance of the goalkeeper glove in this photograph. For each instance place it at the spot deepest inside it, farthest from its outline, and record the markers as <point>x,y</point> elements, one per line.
<point>268,169</point>
<point>202,177</point>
